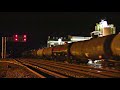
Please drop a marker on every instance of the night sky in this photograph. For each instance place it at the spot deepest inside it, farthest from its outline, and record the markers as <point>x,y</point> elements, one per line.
<point>39,25</point>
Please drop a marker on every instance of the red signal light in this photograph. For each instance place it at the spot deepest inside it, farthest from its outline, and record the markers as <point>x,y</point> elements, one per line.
<point>16,35</point>
<point>16,39</point>
<point>24,40</point>
<point>24,36</point>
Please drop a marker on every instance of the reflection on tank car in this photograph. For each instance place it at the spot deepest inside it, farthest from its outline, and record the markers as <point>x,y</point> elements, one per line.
<point>96,48</point>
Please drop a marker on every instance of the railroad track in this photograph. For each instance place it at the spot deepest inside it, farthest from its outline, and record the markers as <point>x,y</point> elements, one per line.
<point>71,70</point>
<point>101,71</point>
<point>41,72</point>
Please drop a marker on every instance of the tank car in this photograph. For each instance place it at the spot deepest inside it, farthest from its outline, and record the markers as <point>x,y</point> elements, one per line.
<point>97,48</point>
<point>47,53</point>
<point>115,47</point>
<point>40,53</point>
<point>61,52</point>
<point>26,54</point>
<point>34,53</point>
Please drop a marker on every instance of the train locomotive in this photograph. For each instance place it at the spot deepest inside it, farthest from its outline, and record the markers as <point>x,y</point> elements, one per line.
<point>106,47</point>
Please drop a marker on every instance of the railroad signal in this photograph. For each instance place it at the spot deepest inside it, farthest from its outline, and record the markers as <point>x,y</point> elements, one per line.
<point>24,38</point>
<point>15,37</point>
<point>19,38</point>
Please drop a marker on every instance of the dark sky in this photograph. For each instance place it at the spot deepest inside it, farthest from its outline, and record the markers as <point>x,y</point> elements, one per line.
<point>38,25</point>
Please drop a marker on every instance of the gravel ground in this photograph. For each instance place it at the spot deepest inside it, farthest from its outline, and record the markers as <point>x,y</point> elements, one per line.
<point>9,70</point>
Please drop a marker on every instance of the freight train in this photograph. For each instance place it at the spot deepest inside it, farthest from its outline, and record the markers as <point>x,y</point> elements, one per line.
<point>106,47</point>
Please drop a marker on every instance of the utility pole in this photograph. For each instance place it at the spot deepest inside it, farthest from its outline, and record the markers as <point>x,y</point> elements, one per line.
<point>3,47</point>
